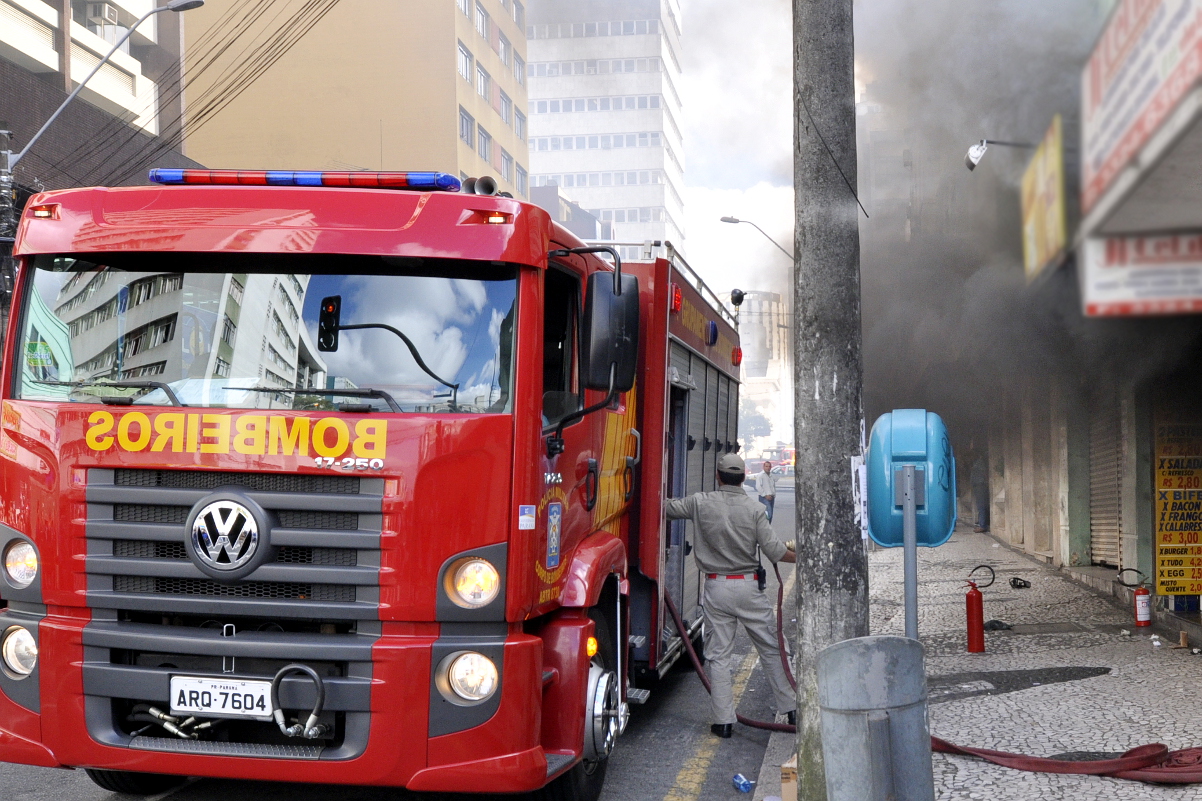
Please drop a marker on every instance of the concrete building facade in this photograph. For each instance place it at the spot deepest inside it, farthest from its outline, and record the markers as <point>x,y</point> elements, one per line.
<point>384,86</point>
<point>131,106</point>
<point>605,112</point>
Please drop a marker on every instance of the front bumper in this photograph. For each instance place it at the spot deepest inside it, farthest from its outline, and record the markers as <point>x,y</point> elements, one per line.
<point>391,726</point>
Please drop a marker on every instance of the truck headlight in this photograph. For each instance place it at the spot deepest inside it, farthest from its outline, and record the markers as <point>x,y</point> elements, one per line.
<point>19,651</point>
<point>20,563</point>
<point>473,583</point>
<point>472,676</point>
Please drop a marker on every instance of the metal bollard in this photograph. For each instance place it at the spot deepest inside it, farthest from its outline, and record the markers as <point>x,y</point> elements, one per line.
<point>876,742</point>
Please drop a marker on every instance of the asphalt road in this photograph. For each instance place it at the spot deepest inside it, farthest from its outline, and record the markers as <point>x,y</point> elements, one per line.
<point>667,751</point>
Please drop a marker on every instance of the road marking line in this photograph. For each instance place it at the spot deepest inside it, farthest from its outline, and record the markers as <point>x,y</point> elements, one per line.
<point>690,781</point>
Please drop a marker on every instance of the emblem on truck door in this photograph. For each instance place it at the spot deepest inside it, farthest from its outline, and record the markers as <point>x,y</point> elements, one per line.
<point>228,535</point>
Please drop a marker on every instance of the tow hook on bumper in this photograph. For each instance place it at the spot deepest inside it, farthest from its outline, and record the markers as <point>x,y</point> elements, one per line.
<point>311,730</point>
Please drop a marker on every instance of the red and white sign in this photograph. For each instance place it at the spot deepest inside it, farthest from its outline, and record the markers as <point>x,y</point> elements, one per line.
<point>1147,60</point>
<point>1142,275</point>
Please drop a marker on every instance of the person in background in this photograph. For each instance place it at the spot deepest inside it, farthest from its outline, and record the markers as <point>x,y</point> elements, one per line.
<point>979,478</point>
<point>765,486</point>
<point>728,526</point>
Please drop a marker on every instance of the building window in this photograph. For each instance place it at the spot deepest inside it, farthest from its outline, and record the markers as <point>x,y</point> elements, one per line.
<point>465,63</point>
<point>519,125</point>
<point>467,128</point>
<point>506,166</point>
<point>236,290</point>
<point>519,13</point>
<point>519,69</point>
<point>631,103</point>
<point>483,83</point>
<point>481,21</point>
<point>228,332</point>
<point>466,7</point>
<point>506,109</point>
<point>504,49</point>
<point>222,369</point>
<point>521,181</point>
<point>484,144</point>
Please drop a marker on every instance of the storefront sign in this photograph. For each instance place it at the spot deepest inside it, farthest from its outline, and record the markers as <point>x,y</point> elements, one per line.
<point>1178,505</point>
<point>1044,228</point>
<point>1147,59</point>
<point>1142,275</point>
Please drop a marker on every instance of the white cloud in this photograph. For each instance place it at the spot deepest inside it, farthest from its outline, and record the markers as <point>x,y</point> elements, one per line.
<point>737,90</point>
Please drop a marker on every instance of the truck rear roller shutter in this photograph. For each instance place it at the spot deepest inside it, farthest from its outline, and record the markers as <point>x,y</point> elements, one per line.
<point>698,481</point>
<point>1105,477</point>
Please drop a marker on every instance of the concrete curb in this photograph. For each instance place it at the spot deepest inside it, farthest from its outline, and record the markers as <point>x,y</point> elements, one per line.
<point>781,746</point>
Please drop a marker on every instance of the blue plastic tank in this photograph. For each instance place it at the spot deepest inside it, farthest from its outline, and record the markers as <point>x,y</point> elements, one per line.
<point>911,437</point>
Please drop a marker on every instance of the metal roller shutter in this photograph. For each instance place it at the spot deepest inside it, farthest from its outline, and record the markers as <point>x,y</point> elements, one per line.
<point>732,415</point>
<point>696,480</point>
<point>711,427</point>
<point>720,434</point>
<point>1105,477</point>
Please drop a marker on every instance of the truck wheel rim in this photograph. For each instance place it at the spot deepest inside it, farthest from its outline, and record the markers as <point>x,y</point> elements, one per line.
<point>603,714</point>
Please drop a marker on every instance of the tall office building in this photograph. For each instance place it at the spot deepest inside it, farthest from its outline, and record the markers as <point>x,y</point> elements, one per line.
<point>605,112</point>
<point>430,85</point>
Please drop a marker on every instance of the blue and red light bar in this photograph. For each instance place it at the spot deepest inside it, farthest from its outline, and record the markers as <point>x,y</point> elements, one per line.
<point>424,181</point>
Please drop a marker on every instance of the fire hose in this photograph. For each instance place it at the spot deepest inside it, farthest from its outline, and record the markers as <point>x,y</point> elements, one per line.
<point>1153,763</point>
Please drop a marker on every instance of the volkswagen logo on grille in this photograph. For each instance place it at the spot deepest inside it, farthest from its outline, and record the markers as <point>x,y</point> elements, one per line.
<point>225,535</point>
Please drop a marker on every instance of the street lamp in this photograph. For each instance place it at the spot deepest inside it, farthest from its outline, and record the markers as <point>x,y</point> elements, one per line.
<point>977,152</point>
<point>762,231</point>
<point>9,160</point>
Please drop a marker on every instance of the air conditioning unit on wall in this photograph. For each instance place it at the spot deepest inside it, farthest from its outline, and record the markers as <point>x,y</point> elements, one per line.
<point>102,14</point>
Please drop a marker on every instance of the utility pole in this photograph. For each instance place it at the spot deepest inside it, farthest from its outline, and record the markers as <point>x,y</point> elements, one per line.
<point>832,568</point>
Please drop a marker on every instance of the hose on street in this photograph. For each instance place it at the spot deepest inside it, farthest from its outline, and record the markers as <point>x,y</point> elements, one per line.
<point>1153,763</point>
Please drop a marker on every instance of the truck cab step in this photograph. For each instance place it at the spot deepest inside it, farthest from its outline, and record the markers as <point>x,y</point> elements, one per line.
<point>636,640</point>
<point>635,695</point>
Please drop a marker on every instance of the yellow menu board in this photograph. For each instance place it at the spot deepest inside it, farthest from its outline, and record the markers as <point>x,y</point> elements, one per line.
<point>1178,507</point>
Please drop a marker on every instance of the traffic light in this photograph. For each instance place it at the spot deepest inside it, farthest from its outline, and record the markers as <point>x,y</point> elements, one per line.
<point>327,323</point>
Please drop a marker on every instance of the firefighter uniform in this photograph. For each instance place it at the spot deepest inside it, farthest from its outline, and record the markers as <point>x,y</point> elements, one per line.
<point>728,526</point>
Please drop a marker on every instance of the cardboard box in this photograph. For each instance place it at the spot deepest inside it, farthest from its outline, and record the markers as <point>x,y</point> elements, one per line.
<point>788,780</point>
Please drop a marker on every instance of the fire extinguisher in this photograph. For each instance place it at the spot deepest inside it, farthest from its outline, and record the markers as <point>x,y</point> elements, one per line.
<point>1143,597</point>
<point>975,611</point>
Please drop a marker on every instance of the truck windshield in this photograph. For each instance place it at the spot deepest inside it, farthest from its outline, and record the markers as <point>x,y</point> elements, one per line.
<point>240,331</point>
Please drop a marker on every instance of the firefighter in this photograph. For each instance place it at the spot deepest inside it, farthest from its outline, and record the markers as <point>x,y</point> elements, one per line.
<point>728,526</point>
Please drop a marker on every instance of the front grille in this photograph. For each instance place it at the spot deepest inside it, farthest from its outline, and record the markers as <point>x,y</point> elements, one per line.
<point>129,513</point>
<point>289,554</point>
<point>142,549</point>
<point>324,531</point>
<point>289,518</point>
<point>334,521</point>
<point>255,482</point>
<point>246,589</point>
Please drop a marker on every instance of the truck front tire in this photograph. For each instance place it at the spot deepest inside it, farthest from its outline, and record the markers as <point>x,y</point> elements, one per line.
<point>121,781</point>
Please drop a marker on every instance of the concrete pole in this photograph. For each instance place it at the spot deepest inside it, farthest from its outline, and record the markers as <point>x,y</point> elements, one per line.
<point>832,567</point>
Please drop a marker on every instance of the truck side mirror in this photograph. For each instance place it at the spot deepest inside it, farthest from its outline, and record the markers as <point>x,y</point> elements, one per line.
<point>327,323</point>
<point>610,338</point>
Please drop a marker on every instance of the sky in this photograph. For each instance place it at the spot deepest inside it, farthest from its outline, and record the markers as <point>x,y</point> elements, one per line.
<point>737,91</point>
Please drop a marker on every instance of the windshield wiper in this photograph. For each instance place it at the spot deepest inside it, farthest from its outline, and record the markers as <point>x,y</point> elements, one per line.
<point>118,399</point>
<point>417,357</point>
<point>350,393</point>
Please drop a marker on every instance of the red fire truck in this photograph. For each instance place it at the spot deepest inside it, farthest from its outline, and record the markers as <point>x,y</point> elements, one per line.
<point>343,478</point>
